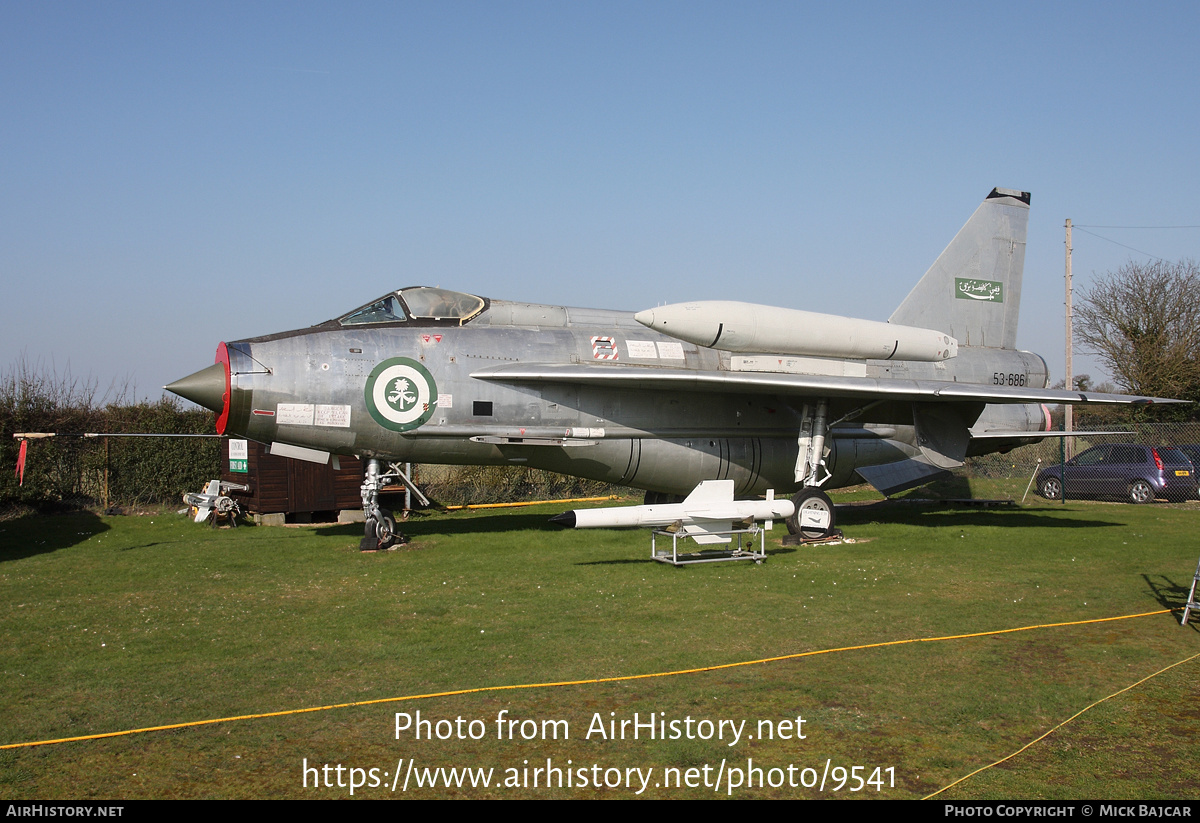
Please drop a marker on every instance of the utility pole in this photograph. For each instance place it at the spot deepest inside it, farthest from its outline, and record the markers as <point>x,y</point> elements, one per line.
<point>1070,381</point>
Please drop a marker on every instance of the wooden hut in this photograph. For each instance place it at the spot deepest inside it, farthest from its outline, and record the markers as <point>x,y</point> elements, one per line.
<point>296,489</point>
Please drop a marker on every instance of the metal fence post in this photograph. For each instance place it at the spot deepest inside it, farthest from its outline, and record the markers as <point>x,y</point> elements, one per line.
<point>1062,464</point>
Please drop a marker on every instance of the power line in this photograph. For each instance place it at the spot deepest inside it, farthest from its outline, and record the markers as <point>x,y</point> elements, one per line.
<point>1122,245</point>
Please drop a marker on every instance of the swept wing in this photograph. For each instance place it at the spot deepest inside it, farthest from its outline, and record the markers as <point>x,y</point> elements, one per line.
<point>797,385</point>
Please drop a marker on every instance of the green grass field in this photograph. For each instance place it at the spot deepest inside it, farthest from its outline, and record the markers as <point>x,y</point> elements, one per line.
<point>114,623</point>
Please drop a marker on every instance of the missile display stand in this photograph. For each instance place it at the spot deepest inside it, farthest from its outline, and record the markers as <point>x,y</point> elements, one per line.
<point>674,558</point>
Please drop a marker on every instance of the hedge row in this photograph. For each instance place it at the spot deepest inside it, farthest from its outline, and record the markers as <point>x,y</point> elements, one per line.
<point>72,471</point>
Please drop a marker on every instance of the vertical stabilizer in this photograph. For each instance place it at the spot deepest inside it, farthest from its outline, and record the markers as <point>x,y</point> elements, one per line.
<point>973,290</point>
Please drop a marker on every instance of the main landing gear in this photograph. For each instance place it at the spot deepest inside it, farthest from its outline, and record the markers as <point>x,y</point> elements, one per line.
<point>814,515</point>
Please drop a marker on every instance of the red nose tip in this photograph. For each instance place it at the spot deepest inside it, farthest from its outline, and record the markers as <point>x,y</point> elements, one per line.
<point>209,387</point>
<point>223,414</point>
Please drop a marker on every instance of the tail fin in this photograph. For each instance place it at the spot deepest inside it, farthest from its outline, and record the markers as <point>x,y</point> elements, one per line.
<point>973,290</point>
<point>711,491</point>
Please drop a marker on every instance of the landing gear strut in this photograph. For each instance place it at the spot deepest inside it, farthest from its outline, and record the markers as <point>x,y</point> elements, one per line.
<point>814,515</point>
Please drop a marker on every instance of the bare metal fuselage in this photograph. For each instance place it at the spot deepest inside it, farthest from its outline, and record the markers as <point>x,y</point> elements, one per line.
<point>649,437</point>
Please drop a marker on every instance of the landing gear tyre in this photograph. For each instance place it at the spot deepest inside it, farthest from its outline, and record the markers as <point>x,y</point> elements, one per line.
<point>1051,488</point>
<point>815,502</point>
<point>385,530</point>
<point>380,532</point>
<point>1140,492</point>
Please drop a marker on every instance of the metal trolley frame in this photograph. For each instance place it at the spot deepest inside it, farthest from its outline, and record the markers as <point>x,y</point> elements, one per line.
<point>710,555</point>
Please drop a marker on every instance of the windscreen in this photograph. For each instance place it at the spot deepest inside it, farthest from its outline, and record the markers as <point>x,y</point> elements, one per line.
<point>440,304</point>
<point>384,310</point>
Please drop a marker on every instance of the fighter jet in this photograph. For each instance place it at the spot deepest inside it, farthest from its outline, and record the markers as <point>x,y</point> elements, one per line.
<point>665,398</point>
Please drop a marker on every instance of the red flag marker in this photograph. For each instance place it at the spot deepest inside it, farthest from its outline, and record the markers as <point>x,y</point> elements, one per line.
<point>21,463</point>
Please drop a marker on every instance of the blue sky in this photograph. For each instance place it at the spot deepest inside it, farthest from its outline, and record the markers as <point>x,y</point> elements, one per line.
<point>178,174</point>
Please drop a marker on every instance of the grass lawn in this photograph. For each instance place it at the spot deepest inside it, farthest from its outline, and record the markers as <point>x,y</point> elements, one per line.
<point>113,623</point>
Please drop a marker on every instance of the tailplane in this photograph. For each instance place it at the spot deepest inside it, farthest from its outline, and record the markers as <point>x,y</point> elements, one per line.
<point>973,290</point>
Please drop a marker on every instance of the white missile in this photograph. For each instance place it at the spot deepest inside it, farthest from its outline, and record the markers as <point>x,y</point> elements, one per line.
<point>709,508</point>
<point>746,327</point>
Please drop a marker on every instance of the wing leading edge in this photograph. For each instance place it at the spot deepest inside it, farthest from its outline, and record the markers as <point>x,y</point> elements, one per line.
<point>812,385</point>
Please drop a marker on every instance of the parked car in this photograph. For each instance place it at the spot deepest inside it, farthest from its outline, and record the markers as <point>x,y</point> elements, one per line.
<point>1135,473</point>
<point>1192,451</point>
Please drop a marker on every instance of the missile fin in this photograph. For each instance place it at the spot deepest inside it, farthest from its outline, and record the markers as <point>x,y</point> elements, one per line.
<point>711,491</point>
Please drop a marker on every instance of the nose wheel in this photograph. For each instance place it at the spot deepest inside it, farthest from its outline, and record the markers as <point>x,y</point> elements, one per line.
<point>380,533</point>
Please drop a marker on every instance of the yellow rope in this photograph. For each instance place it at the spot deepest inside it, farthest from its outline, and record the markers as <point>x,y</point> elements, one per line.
<point>1060,725</point>
<point>616,679</point>
<point>532,503</point>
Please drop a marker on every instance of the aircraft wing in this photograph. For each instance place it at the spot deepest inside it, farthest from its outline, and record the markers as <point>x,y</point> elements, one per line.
<point>804,385</point>
<point>1020,433</point>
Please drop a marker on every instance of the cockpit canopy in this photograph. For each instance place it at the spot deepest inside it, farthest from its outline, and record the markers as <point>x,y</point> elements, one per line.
<point>417,303</point>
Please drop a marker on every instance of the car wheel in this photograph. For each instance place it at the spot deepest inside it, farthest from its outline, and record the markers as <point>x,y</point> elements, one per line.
<point>1051,488</point>
<point>1141,492</point>
<point>819,509</point>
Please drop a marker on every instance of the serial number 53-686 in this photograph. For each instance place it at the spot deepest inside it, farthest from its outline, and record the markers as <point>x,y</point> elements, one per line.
<point>1003,379</point>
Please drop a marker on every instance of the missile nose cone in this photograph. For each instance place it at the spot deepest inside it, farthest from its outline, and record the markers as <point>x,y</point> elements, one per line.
<point>566,520</point>
<point>204,388</point>
<point>646,318</point>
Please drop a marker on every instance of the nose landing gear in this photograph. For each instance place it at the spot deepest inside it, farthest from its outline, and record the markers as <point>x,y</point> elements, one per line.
<point>380,532</point>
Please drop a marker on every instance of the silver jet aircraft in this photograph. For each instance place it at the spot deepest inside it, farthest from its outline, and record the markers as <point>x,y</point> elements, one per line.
<point>662,399</point>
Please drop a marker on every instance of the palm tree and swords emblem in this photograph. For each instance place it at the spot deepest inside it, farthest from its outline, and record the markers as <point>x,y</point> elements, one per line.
<point>401,397</point>
<point>400,394</point>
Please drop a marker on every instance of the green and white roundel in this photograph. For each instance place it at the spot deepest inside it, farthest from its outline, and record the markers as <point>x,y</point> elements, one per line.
<point>400,394</point>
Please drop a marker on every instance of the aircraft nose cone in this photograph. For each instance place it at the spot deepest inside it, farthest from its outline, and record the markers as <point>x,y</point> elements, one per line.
<point>646,318</point>
<point>204,388</point>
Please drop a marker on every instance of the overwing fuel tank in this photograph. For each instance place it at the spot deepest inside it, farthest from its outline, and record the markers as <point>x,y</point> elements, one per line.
<point>732,326</point>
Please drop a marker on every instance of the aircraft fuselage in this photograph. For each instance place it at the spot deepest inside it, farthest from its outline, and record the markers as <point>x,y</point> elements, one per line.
<point>313,388</point>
